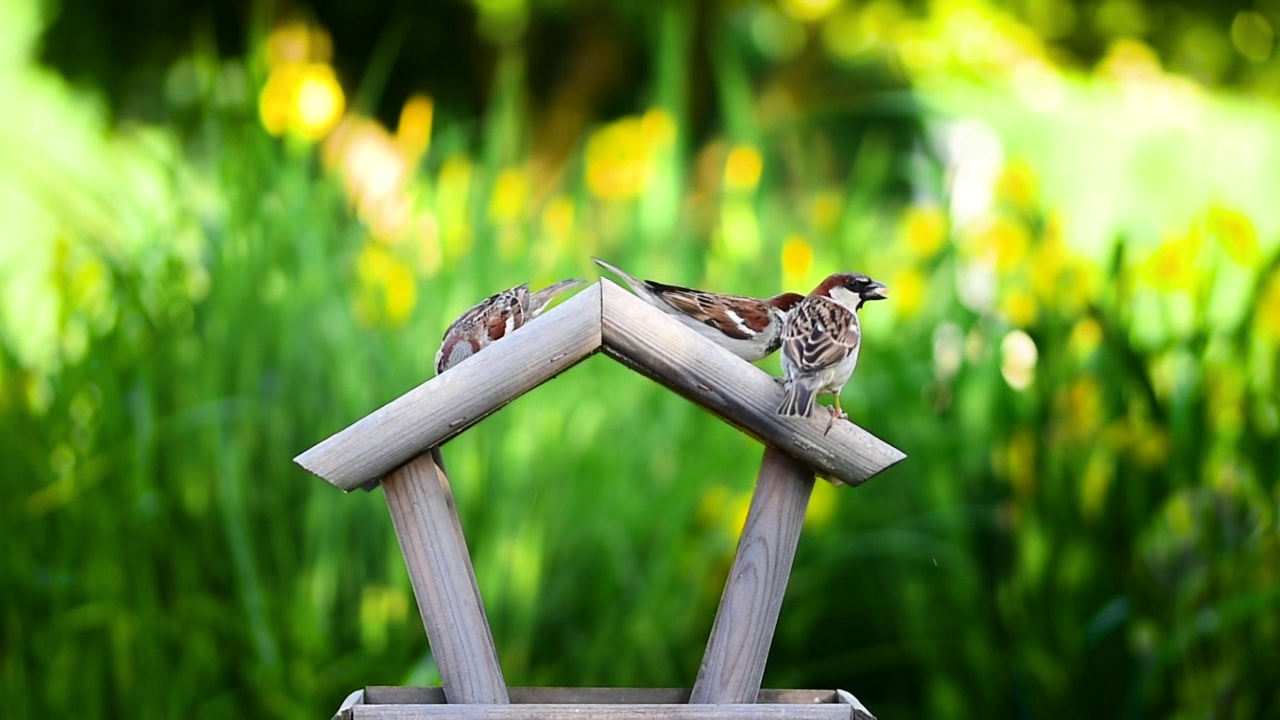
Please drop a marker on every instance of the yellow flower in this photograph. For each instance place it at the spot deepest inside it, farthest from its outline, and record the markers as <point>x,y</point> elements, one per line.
<point>658,128</point>
<point>809,10</point>
<point>303,98</point>
<point>797,260</point>
<point>1236,235</point>
<point>1086,336</point>
<point>617,160</point>
<point>1006,243</point>
<point>743,168</point>
<point>908,288</point>
<point>557,217</point>
<point>1173,265</point>
<point>1017,186</point>
<point>925,229</point>
<point>1020,308</point>
<point>1267,313</point>
<point>388,288</point>
<point>1081,409</point>
<point>414,131</point>
<point>295,43</point>
<point>510,192</point>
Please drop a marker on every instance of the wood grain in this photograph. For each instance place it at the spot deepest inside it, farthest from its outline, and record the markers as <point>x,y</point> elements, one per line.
<point>602,712</point>
<point>741,394</point>
<point>733,665</point>
<point>403,695</point>
<point>444,583</point>
<point>448,404</point>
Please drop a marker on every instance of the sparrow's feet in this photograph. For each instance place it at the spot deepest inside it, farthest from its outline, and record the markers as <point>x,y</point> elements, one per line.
<point>837,413</point>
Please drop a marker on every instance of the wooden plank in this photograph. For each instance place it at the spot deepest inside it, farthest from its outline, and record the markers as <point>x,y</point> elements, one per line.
<point>444,583</point>
<point>831,711</point>
<point>403,695</point>
<point>448,404</point>
<point>741,394</point>
<point>733,665</point>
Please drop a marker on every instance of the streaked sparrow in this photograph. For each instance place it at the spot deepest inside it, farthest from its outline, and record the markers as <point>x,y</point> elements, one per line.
<point>820,342</point>
<point>492,319</point>
<point>748,327</point>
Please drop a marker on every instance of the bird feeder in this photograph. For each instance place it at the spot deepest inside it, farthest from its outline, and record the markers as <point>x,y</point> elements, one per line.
<point>398,446</point>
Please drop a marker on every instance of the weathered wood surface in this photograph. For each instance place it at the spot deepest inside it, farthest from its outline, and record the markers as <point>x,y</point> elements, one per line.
<point>860,711</point>
<point>404,695</point>
<point>743,395</point>
<point>444,583</point>
<point>733,665</point>
<point>448,404</point>
<point>602,712</point>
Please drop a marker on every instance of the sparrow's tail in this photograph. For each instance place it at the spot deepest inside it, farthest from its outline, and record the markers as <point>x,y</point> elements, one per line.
<point>538,301</point>
<point>636,284</point>
<point>797,401</point>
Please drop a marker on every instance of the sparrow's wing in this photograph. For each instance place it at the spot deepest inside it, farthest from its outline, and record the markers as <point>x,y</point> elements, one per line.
<point>741,318</point>
<point>491,314</point>
<point>819,334</point>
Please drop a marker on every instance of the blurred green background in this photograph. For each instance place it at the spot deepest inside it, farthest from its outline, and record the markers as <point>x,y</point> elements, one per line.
<point>229,230</point>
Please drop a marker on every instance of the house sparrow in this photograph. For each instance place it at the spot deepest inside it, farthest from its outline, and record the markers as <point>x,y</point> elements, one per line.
<point>748,327</point>
<point>492,319</point>
<point>820,342</point>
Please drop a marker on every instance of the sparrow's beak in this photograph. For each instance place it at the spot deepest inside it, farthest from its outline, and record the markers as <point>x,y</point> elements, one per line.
<point>877,291</point>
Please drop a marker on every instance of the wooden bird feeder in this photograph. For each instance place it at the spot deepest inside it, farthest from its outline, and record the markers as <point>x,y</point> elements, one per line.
<point>398,445</point>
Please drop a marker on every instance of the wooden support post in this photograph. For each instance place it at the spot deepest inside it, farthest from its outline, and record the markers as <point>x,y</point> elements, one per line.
<point>444,583</point>
<point>733,665</point>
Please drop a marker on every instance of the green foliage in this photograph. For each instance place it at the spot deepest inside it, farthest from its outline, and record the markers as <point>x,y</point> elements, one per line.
<point>1086,521</point>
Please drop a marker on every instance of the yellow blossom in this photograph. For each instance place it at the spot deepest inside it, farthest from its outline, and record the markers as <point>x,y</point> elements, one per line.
<point>809,10</point>
<point>1081,409</point>
<point>295,43</point>
<point>557,217</point>
<point>797,260</point>
<point>1173,265</point>
<point>303,98</point>
<point>617,160</point>
<point>414,131</point>
<point>925,229</point>
<point>1236,235</point>
<point>658,128</point>
<point>389,289</point>
<point>908,288</point>
<point>1017,186</point>
<point>1267,313</point>
<point>510,192</point>
<point>1020,308</point>
<point>1005,243</point>
<point>1086,336</point>
<point>743,167</point>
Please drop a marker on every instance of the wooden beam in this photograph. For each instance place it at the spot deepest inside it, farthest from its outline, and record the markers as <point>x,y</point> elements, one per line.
<point>444,583</point>
<point>408,695</point>
<point>647,340</point>
<point>445,406</point>
<point>603,712</point>
<point>733,665</point>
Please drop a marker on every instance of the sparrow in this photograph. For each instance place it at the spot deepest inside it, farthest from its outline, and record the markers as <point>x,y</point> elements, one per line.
<point>748,327</point>
<point>820,342</point>
<point>494,318</point>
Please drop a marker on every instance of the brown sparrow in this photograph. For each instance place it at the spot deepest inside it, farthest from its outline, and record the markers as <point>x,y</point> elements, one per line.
<point>748,327</point>
<point>492,319</point>
<point>820,342</point>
